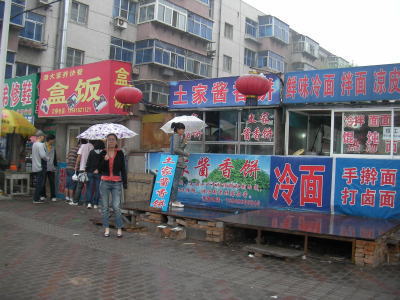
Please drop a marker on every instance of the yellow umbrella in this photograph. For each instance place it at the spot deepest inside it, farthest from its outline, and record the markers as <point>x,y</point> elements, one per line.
<point>13,122</point>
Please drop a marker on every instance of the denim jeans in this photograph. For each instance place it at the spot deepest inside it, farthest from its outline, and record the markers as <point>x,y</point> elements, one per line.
<point>71,185</point>
<point>93,189</point>
<point>39,184</point>
<point>175,184</point>
<point>115,188</point>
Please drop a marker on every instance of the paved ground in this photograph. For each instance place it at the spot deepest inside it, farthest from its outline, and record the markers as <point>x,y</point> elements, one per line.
<point>52,251</point>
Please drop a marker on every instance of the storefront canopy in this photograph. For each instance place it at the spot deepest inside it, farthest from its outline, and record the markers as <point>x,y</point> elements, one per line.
<point>370,83</point>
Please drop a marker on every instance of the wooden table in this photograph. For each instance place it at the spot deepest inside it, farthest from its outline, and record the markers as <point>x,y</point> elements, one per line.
<point>11,178</point>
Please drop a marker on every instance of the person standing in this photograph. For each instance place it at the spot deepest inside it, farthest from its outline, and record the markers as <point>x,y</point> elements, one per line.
<point>92,169</point>
<point>83,154</point>
<point>71,163</point>
<point>178,145</point>
<point>51,167</point>
<point>39,166</point>
<point>113,177</point>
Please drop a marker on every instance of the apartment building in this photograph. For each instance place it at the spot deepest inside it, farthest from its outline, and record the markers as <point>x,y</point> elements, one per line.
<point>164,40</point>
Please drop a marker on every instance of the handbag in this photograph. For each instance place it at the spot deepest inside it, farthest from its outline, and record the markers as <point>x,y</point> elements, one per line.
<point>82,177</point>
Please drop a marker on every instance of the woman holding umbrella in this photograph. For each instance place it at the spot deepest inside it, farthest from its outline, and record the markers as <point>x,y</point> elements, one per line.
<point>178,145</point>
<point>113,176</point>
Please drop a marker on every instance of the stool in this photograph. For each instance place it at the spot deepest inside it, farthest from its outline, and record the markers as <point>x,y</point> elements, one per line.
<point>12,178</point>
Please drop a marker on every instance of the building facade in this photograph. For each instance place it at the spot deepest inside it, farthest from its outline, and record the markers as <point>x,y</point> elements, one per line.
<point>164,40</point>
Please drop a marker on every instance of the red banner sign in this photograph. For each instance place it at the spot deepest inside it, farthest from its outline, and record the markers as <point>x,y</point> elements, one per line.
<point>83,90</point>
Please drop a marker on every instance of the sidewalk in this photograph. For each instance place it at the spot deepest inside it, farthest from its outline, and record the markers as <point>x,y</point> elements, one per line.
<point>53,251</point>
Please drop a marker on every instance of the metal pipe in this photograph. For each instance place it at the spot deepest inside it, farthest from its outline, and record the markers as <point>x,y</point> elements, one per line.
<point>63,45</point>
<point>3,50</point>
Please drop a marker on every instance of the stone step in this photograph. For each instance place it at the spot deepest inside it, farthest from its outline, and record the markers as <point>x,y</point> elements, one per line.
<point>268,250</point>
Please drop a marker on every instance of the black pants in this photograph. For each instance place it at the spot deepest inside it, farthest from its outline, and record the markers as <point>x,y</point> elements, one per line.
<point>39,179</point>
<point>52,182</point>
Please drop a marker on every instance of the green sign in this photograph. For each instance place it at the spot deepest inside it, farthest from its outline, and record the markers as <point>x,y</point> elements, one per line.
<point>20,95</point>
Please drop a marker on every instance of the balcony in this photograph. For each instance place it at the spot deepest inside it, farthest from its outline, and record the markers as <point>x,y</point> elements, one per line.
<point>28,43</point>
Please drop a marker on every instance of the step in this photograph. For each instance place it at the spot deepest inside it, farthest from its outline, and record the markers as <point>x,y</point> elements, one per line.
<point>275,251</point>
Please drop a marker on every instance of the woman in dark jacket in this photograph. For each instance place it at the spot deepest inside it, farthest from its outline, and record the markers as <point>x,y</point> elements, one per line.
<point>113,177</point>
<point>92,170</point>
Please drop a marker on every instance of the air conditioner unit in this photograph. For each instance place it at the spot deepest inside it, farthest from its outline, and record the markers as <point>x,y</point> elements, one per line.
<point>167,72</point>
<point>121,23</point>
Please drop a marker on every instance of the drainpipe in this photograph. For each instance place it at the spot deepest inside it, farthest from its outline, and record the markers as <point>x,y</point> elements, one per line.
<point>3,50</point>
<point>219,36</point>
<point>61,55</point>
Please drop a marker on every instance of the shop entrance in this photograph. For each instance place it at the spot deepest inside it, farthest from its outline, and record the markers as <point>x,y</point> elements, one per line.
<point>308,132</point>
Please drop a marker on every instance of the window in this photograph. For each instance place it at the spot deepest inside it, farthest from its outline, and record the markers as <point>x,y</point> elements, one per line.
<point>249,58</point>
<point>17,7</point>
<point>205,1</point>
<point>79,12</point>
<point>270,26</point>
<point>26,69</point>
<point>74,57</point>
<point>271,60</point>
<point>34,25</point>
<point>154,93</point>
<point>200,26</point>
<point>251,27</point>
<point>306,45</point>
<point>172,15</point>
<point>169,55</point>
<point>144,51</point>
<point>121,50</point>
<point>125,9</point>
<point>198,64</point>
<point>365,132</point>
<point>10,64</point>
<point>257,134</point>
<point>146,11</point>
<point>227,64</point>
<point>228,32</point>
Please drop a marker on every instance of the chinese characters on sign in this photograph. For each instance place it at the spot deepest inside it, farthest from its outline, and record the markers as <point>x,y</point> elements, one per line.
<point>225,182</point>
<point>367,187</point>
<point>258,126</point>
<point>217,92</point>
<point>83,90</point>
<point>368,132</point>
<point>301,182</point>
<point>164,180</point>
<point>20,95</point>
<point>343,85</point>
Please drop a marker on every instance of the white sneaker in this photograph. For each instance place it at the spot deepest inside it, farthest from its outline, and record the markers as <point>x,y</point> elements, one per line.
<point>177,204</point>
<point>73,203</point>
<point>95,206</point>
<point>89,206</point>
<point>54,199</point>
<point>42,198</point>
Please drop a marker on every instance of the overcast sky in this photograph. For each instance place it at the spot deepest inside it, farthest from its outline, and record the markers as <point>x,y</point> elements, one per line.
<point>366,32</point>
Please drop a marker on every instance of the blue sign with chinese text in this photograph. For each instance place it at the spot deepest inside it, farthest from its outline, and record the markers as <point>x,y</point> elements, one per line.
<point>217,92</point>
<point>301,183</point>
<point>164,180</point>
<point>381,82</point>
<point>367,187</point>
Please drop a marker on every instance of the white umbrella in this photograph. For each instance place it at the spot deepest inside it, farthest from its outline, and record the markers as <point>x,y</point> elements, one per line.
<point>100,131</point>
<point>192,124</point>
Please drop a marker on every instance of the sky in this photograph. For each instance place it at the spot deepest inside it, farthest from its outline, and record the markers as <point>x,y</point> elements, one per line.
<point>364,32</point>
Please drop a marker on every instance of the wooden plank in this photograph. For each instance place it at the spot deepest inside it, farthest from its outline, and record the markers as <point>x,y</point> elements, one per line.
<point>274,251</point>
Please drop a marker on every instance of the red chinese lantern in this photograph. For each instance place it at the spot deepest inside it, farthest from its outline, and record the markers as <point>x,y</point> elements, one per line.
<point>253,86</point>
<point>128,95</point>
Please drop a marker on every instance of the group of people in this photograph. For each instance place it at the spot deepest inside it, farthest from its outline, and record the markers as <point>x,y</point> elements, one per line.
<point>101,168</point>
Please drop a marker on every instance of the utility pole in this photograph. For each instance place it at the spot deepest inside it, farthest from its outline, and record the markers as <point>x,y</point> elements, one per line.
<point>3,52</point>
